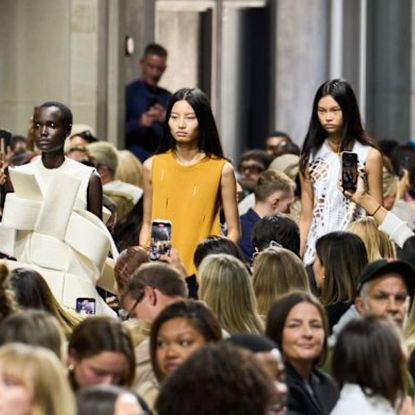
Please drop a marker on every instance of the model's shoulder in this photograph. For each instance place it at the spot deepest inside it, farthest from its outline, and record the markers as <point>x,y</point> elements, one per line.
<point>32,165</point>
<point>77,167</point>
<point>374,154</point>
<point>227,167</point>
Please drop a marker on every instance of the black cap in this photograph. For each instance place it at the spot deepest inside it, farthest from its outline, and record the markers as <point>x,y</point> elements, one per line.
<point>379,268</point>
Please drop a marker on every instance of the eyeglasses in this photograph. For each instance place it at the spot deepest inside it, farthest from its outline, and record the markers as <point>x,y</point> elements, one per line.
<point>251,168</point>
<point>272,244</point>
<point>126,315</point>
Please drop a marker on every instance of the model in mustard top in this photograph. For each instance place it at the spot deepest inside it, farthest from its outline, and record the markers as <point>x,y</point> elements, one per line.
<point>189,179</point>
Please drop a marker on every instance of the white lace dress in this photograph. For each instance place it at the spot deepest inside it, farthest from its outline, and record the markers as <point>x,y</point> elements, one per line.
<point>331,210</point>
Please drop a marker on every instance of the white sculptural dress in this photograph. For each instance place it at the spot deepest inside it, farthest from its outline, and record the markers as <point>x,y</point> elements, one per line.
<point>46,226</point>
<point>332,211</point>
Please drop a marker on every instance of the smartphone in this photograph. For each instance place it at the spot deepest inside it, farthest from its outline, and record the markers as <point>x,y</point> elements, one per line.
<point>85,306</point>
<point>151,102</point>
<point>6,136</point>
<point>160,238</point>
<point>349,171</point>
<point>403,164</point>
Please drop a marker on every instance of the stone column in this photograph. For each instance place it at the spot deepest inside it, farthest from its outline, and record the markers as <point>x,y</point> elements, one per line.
<point>389,69</point>
<point>300,61</point>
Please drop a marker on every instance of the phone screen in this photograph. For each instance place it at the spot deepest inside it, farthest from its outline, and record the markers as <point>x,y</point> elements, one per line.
<point>349,171</point>
<point>160,239</point>
<point>6,136</point>
<point>85,306</point>
<point>404,163</point>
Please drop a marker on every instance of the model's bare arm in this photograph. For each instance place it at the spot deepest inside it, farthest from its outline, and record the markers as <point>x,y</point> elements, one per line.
<point>144,238</point>
<point>94,195</point>
<point>229,202</point>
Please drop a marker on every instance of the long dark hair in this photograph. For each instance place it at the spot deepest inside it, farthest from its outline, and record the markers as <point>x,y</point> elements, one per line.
<point>352,129</point>
<point>368,352</point>
<point>209,141</point>
<point>100,334</point>
<point>343,255</point>
<point>278,314</point>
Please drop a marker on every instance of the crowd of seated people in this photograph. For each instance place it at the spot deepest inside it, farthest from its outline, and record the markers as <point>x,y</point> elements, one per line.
<point>253,330</point>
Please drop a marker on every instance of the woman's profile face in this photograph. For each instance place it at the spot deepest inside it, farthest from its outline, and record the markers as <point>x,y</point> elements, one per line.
<point>318,270</point>
<point>177,339</point>
<point>15,397</point>
<point>183,123</point>
<point>105,368</point>
<point>303,334</point>
<point>330,115</point>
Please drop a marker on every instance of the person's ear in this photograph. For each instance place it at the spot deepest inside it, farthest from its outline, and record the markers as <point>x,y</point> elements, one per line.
<point>71,359</point>
<point>360,305</point>
<point>275,201</point>
<point>151,295</point>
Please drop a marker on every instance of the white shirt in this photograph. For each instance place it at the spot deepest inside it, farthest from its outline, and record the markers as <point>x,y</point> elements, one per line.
<point>353,401</point>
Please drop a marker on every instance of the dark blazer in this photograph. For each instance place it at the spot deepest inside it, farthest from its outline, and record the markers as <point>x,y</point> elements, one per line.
<point>301,401</point>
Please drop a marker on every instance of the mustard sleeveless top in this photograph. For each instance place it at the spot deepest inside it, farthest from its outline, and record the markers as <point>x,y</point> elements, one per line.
<point>189,197</point>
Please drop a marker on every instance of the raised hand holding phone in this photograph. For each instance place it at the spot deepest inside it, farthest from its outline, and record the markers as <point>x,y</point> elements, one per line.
<point>160,239</point>
<point>349,171</point>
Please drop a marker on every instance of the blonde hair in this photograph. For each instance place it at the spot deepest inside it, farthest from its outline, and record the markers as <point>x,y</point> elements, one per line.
<point>225,285</point>
<point>277,271</point>
<point>8,303</point>
<point>41,372</point>
<point>130,169</point>
<point>34,327</point>
<point>409,330</point>
<point>377,243</point>
<point>32,291</point>
<point>389,182</point>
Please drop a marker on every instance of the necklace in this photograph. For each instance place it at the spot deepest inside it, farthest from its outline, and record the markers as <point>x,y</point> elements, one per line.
<point>187,162</point>
<point>334,146</point>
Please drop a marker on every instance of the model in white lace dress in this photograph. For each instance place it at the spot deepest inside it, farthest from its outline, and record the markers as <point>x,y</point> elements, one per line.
<point>335,126</point>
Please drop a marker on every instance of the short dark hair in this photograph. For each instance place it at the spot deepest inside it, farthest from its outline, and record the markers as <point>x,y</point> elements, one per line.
<point>33,327</point>
<point>233,383</point>
<point>101,399</point>
<point>155,49</point>
<point>278,314</point>
<point>261,156</point>
<point>66,113</point>
<point>368,352</point>
<point>209,140</point>
<point>216,244</point>
<point>157,275</point>
<point>279,228</point>
<point>100,334</point>
<point>279,133</point>
<point>199,316</point>
<point>407,253</point>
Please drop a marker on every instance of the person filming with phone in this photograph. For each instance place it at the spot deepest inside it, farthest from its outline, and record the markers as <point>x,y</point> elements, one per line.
<point>336,147</point>
<point>146,104</point>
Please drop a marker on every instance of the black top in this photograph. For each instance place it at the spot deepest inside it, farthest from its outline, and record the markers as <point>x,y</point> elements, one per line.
<point>315,397</point>
<point>335,311</point>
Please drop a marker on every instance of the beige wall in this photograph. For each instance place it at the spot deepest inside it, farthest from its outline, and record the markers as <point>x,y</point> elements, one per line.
<point>34,44</point>
<point>70,51</point>
<point>178,33</point>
